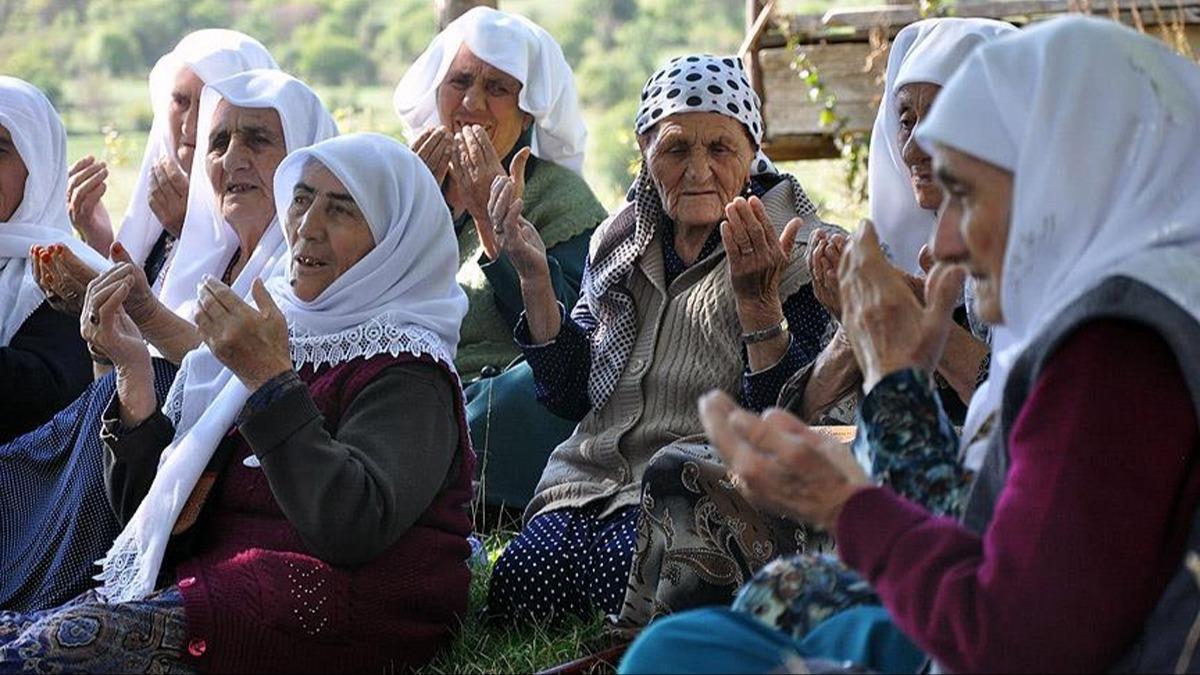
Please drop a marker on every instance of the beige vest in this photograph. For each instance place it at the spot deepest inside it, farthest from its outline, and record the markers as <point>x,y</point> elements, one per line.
<point>688,343</point>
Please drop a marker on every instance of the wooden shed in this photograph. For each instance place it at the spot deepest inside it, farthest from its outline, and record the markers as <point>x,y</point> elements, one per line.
<point>848,49</point>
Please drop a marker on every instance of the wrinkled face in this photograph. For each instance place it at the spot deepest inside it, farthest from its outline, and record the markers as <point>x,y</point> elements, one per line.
<point>973,226</point>
<point>475,92</point>
<point>699,162</point>
<point>912,102</point>
<point>327,233</point>
<point>246,145</point>
<point>182,115</point>
<point>12,176</point>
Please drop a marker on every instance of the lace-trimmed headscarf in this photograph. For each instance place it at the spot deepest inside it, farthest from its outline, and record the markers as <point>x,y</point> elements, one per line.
<point>926,51</point>
<point>1099,191</point>
<point>213,54</point>
<point>698,83</point>
<point>205,399</point>
<point>520,48</point>
<point>38,135</point>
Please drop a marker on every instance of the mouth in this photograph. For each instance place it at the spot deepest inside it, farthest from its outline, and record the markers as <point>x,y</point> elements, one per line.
<point>309,263</point>
<point>459,126</point>
<point>239,188</point>
<point>699,193</point>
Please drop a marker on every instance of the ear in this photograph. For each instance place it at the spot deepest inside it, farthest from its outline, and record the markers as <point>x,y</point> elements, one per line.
<point>526,122</point>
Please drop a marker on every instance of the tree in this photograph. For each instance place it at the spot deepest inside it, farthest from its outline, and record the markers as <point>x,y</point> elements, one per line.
<point>449,10</point>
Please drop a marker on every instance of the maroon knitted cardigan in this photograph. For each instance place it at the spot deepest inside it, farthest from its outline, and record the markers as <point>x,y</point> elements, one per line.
<point>257,600</point>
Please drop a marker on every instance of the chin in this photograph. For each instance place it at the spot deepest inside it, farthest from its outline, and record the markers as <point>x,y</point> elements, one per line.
<point>697,215</point>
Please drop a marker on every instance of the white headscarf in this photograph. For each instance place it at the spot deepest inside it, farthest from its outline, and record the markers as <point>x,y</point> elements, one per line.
<point>520,48</point>
<point>925,51</point>
<point>38,134</point>
<point>210,242</point>
<point>402,297</point>
<point>1099,126</point>
<point>213,54</point>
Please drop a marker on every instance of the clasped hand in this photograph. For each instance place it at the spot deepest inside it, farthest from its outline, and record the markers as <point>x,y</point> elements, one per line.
<point>253,343</point>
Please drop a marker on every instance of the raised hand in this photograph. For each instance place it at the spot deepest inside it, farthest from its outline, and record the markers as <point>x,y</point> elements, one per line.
<point>757,258</point>
<point>435,147</point>
<point>780,464</point>
<point>253,343</point>
<point>887,325</point>
<point>474,169</point>
<point>516,237</point>
<point>825,250</point>
<point>86,184</point>
<point>168,194</point>
<point>141,303</point>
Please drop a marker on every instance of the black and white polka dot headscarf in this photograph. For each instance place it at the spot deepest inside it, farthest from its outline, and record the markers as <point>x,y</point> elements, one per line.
<point>704,83</point>
<point>686,84</point>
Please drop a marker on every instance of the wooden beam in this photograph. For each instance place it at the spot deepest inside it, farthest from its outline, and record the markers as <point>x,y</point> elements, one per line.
<point>868,17</point>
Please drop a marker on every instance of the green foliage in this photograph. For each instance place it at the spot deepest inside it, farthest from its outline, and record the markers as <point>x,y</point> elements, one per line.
<point>331,58</point>
<point>35,63</point>
<point>115,51</point>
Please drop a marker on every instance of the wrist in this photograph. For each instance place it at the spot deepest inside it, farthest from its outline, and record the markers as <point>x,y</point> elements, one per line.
<point>256,381</point>
<point>758,315</point>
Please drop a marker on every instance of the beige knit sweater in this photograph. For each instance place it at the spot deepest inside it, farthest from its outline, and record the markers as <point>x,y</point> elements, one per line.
<point>688,342</point>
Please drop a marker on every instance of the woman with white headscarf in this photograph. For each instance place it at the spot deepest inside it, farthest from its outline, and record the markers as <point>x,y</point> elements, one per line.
<point>287,475</point>
<point>52,478</point>
<point>904,203</point>
<point>1079,224</point>
<point>43,363</point>
<point>154,218</point>
<point>491,94</point>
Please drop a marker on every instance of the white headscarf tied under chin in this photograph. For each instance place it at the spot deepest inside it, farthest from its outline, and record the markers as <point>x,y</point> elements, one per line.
<point>38,135</point>
<point>520,48</point>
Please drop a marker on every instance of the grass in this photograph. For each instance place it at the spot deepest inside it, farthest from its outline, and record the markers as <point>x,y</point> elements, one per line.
<point>483,647</point>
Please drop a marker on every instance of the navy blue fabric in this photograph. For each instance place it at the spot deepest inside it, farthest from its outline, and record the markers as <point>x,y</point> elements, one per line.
<point>568,562</point>
<point>55,519</point>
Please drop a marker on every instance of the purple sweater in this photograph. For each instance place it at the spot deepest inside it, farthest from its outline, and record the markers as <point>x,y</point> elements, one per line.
<point>1091,525</point>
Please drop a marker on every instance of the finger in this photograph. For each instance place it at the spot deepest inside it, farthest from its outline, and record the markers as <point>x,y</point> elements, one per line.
<point>514,223</point>
<point>737,228</point>
<point>118,254</point>
<point>81,164</point>
<point>423,138</point>
<point>925,258</point>
<point>716,407</point>
<point>516,169</point>
<point>267,308</point>
<point>75,267</point>
<point>97,295</point>
<point>942,291</point>
<point>487,151</point>
<point>866,240</point>
<point>759,240</point>
<point>176,179</point>
<point>112,304</point>
<point>474,150</point>
<point>787,240</point>
<point>221,294</point>
<point>764,223</point>
<point>86,172</point>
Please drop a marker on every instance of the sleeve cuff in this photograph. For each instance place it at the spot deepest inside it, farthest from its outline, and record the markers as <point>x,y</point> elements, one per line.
<point>525,341</point>
<point>134,443</point>
<point>268,428</point>
<point>760,390</point>
<point>868,526</point>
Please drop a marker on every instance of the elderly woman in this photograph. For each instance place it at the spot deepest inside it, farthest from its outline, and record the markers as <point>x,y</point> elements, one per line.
<point>490,90</point>
<point>904,204</point>
<point>53,477</point>
<point>1062,512</point>
<point>287,475</point>
<point>694,284</point>
<point>155,216</point>
<point>43,362</point>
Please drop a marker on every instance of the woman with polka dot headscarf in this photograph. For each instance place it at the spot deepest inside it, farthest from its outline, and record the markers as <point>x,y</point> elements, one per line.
<point>698,282</point>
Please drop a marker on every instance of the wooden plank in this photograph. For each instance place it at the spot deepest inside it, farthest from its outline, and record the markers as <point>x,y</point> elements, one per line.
<point>787,108</point>
<point>867,17</point>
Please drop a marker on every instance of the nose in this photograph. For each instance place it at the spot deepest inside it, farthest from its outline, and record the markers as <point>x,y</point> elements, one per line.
<point>911,153</point>
<point>475,98</point>
<point>698,168</point>
<point>312,222</point>
<point>188,132</point>
<point>947,243</point>
<point>237,155</point>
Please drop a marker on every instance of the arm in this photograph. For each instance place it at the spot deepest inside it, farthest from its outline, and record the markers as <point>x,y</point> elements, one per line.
<point>566,269</point>
<point>961,360</point>
<point>42,369</point>
<point>172,335</point>
<point>352,496</point>
<point>560,366</point>
<point>807,321</point>
<point>1081,544</point>
<point>832,376</point>
<point>131,457</point>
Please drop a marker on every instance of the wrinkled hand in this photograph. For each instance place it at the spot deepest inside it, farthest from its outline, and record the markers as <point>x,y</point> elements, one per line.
<point>757,259</point>
<point>780,464</point>
<point>825,250</point>
<point>888,327</point>
<point>140,302</point>
<point>107,328</point>
<point>435,147</point>
<point>516,237</point>
<point>474,169</point>
<point>253,343</point>
<point>86,184</point>
<point>62,276</point>
<point>168,194</point>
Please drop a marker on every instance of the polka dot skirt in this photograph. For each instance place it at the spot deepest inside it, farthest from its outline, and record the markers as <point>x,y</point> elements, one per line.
<point>566,562</point>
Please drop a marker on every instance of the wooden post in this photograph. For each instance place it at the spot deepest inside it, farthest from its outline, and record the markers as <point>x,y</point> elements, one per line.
<point>449,10</point>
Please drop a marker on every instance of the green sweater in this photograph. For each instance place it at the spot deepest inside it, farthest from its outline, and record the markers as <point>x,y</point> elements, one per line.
<point>562,207</point>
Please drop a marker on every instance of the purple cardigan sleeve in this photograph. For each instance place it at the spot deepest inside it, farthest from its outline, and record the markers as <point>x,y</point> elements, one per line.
<point>1088,530</point>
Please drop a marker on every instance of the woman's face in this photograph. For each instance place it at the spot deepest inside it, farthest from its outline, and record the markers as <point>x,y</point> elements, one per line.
<point>973,225</point>
<point>13,174</point>
<point>699,162</point>
<point>475,92</point>
<point>245,147</point>
<point>912,102</point>
<point>183,113</point>
<point>327,233</point>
